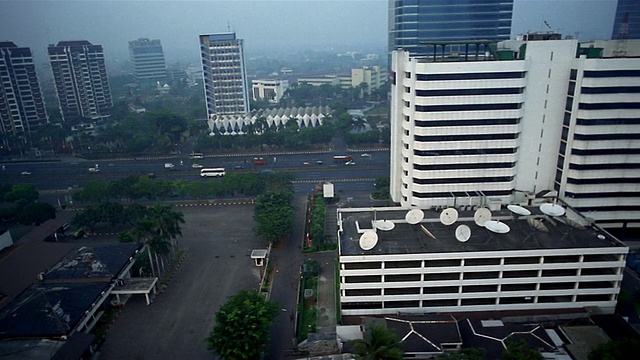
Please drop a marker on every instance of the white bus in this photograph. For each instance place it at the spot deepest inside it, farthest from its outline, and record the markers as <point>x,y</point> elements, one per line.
<point>216,172</point>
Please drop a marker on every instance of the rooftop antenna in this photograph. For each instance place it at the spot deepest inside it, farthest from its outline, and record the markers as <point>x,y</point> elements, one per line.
<point>228,27</point>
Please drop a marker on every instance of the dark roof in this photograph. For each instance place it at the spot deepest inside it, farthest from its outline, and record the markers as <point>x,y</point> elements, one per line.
<point>20,264</point>
<point>74,347</point>
<point>91,262</point>
<point>74,43</point>
<point>7,44</point>
<point>48,310</point>
<point>42,231</point>
<point>425,334</point>
<point>493,338</point>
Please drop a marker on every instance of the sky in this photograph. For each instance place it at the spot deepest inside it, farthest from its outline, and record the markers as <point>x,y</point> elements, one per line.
<point>291,25</point>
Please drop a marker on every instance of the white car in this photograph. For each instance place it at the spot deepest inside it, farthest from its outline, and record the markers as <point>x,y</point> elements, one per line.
<point>169,166</point>
<point>196,166</point>
<point>26,173</point>
<point>350,162</point>
<point>366,155</point>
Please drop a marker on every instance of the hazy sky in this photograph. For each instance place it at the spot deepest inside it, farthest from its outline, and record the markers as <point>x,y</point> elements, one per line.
<point>263,24</point>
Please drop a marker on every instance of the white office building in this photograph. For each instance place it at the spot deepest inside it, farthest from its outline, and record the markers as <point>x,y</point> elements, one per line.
<point>223,70</point>
<point>518,119</point>
<point>269,90</point>
<point>147,59</point>
<point>402,261</point>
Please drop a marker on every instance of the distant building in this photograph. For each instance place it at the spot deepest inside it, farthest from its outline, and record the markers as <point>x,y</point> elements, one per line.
<point>269,90</point>
<point>413,22</point>
<point>627,20</point>
<point>22,107</point>
<point>224,75</point>
<point>521,118</point>
<point>370,75</point>
<point>81,82</point>
<point>305,117</point>
<point>147,59</point>
<point>332,80</point>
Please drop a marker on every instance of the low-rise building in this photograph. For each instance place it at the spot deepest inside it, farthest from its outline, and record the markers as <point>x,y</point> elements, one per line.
<point>270,90</point>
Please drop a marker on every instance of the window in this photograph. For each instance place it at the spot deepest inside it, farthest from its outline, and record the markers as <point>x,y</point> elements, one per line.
<point>407,75</point>
<point>471,76</point>
<point>468,107</point>
<point>407,89</point>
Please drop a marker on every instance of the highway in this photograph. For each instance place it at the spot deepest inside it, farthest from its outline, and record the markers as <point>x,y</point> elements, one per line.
<point>59,175</point>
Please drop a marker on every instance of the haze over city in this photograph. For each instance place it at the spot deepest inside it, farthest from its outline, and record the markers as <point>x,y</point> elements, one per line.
<point>265,25</point>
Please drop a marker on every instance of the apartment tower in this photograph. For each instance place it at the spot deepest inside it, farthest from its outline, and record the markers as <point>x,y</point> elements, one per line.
<point>147,59</point>
<point>81,83</point>
<point>223,70</point>
<point>22,107</point>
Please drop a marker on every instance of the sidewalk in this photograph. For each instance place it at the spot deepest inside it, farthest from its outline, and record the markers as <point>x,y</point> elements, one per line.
<point>326,322</point>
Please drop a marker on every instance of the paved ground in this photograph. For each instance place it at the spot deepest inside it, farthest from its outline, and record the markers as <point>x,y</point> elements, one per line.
<point>220,240</point>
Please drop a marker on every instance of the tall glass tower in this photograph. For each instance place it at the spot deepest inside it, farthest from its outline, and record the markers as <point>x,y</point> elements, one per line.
<point>413,22</point>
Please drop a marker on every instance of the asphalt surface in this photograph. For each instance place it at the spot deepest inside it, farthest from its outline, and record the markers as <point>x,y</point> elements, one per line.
<point>219,240</point>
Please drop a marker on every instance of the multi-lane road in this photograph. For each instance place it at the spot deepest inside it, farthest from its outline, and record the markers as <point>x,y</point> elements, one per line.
<point>64,173</point>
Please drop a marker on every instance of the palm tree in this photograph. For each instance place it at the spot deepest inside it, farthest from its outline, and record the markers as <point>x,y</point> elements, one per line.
<point>145,232</point>
<point>167,223</point>
<point>380,344</point>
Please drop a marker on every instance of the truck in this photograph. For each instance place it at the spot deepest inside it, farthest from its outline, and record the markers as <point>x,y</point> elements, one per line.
<point>169,166</point>
<point>343,158</point>
<point>259,161</point>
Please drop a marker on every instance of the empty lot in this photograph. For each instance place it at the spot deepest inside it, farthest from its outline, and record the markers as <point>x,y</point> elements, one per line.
<point>174,326</point>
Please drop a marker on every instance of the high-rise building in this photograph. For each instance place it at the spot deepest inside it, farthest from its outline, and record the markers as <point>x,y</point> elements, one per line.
<point>627,20</point>
<point>147,59</point>
<point>225,88</point>
<point>81,82</point>
<point>551,116</point>
<point>412,22</point>
<point>22,107</point>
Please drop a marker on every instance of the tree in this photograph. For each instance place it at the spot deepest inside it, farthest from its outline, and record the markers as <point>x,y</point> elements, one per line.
<point>466,354</point>
<point>241,329</point>
<point>519,350</point>
<point>274,215</point>
<point>380,344</point>
<point>35,213</point>
<point>24,192</point>
<point>625,349</point>
<point>167,222</point>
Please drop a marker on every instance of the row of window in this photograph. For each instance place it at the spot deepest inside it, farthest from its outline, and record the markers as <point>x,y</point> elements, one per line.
<point>491,151</point>
<point>611,151</point>
<point>602,181</point>
<point>471,76</point>
<point>464,180</point>
<point>466,92</point>
<point>426,138</point>
<point>470,122</point>
<point>610,73</point>
<point>598,195</point>
<point>607,166</point>
<point>586,137</point>
<point>609,106</point>
<point>498,165</point>
<point>612,121</point>
<point>611,90</point>
<point>468,107</point>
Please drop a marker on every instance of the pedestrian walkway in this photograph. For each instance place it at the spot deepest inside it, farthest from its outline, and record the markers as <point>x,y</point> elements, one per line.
<point>326,321</point>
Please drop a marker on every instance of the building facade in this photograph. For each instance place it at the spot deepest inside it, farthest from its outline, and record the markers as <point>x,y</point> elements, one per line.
<point>269,90</point>
<point>540,264</point>
<point>224,75</point>
<point>148,63</point>
<point>81,81</point>
<point>372,76</point>
<point>305,117</point>
<point>22,107</point>
<point>627,21</point>
<point>412,22</point>
<point>515,122</point>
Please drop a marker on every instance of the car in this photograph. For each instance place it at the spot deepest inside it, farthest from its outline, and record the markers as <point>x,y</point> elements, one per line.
<point>305,163</point>
<point>238,167</point>
<point>26,173</point>
<point>151,175</point>
<point>366,155</point>
<point>196,166</point>
<point>319,162</point>
<point>169,166</point>
<point>350,163</point>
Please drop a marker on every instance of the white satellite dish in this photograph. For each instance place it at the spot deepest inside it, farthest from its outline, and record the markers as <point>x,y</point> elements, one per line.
<point>552,209</point>
<point>448,216</point>
<point>414,216</point>
<point>368,240</point>
<point>384,225</point>
<point>463,233</point>
<point>497,227</point>
<point>481,216</point>
<point>518,210</point>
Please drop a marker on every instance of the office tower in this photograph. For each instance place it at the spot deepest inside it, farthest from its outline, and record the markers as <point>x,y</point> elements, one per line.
<point>412,22</point>
<point>223,70</point>
<point>529,117</point>
<point>627,20</point>
<point>22,107</point>
<point>147,59</point>
<point>81,82</point>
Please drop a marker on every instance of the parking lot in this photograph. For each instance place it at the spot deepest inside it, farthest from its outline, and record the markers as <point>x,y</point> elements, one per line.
<point>219,240</point>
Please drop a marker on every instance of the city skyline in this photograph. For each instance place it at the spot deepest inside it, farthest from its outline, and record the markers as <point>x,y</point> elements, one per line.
<point>277,26</point>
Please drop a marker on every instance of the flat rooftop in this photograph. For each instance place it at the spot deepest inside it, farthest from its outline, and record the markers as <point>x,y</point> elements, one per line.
<point>534,231</point>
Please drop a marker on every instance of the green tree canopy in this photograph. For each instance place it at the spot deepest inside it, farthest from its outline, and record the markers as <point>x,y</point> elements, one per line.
<point>380,344</point>
<point>241,329</point>
<point>519,350</point>
<point>625,349</point>
<point>465,354</point>
<point>274,215</point>
<point>24,192</point>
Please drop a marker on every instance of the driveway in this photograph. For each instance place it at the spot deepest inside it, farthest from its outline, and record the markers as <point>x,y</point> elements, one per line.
<point>219,240</point>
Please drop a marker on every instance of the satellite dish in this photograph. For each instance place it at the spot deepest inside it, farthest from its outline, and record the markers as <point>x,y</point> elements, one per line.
<point>368,240</point>
<point>448,216</point>
<point>497,227</point>
<point>518,210</point>
<point>552,209</point>
<point>481,216</point>
<point>414,216</point>
<point>384,225</point>
<point>463,233</point>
